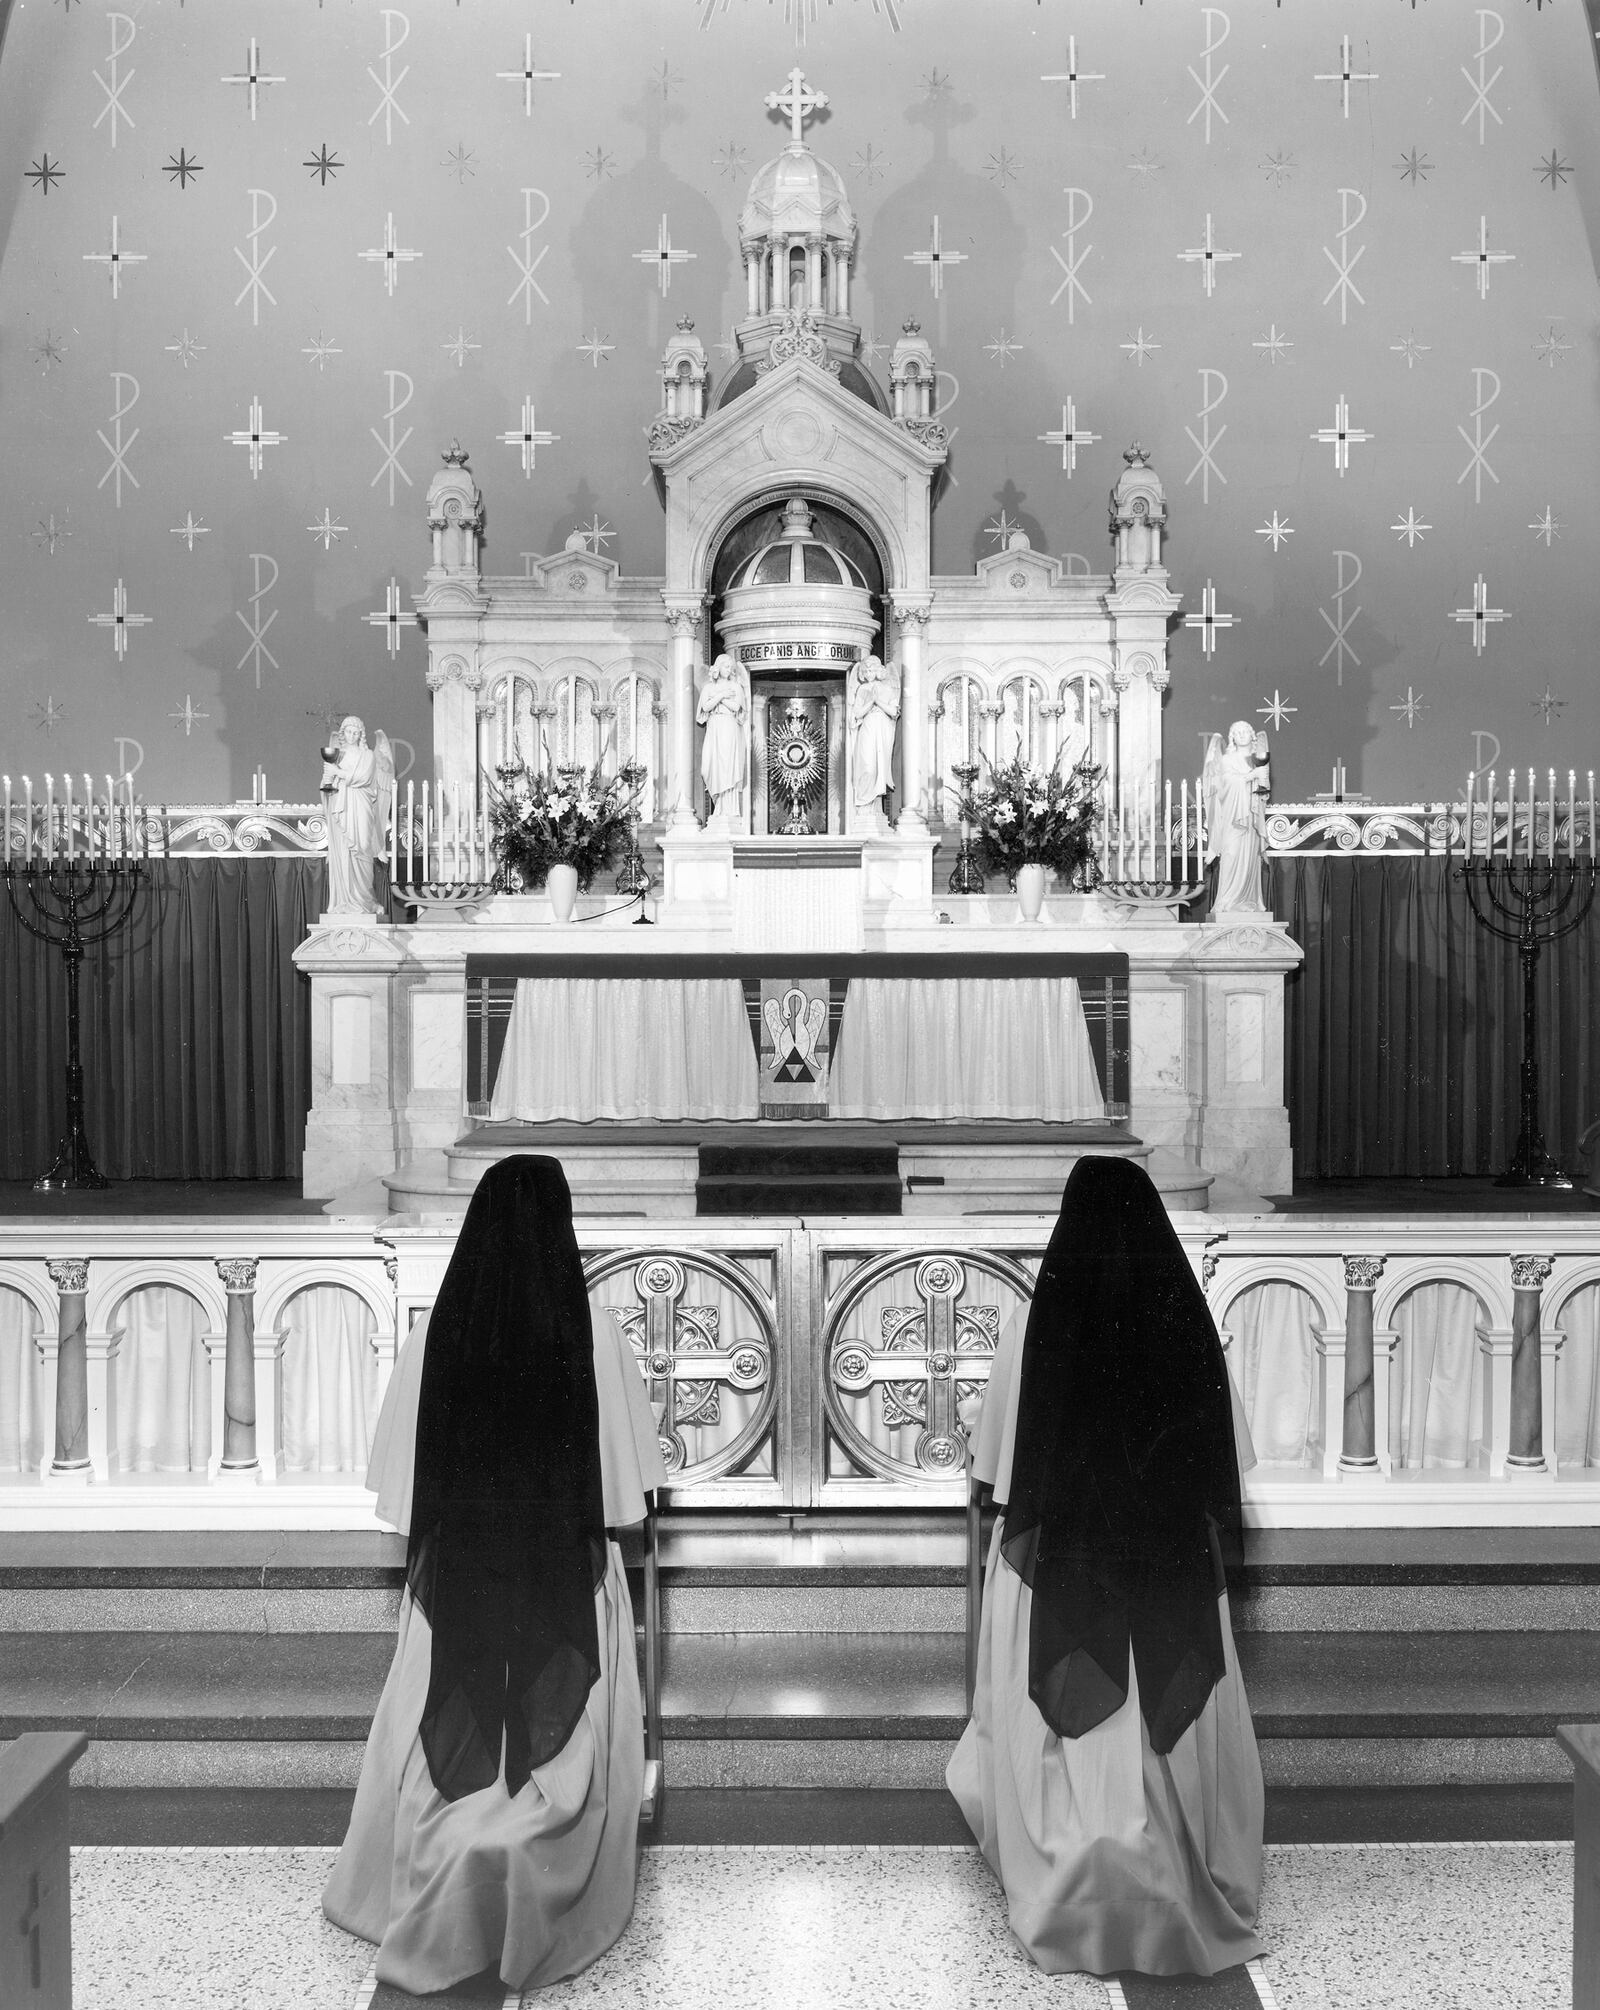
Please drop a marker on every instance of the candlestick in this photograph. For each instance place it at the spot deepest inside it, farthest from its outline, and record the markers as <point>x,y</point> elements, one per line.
<point>1511,809</point>
<point>394,832</point>
<point>1167,827</point>
<point>1591,813</point>
<point>1572,813</point>
<point>1466,835</point>
<point>49,817</point>
<point>8,820</point>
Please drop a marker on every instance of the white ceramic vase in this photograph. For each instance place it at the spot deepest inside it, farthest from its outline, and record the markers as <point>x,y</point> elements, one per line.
<point>561,883</point>
<point>1030,890</point>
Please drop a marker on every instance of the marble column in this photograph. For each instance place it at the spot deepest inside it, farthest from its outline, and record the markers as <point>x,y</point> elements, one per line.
<point>911,618</point>
<point>1360,1453</point>
<point>70,1276</point>
<point>1525,1444</point>
<point>683,617</point>
<point>238,1274</point>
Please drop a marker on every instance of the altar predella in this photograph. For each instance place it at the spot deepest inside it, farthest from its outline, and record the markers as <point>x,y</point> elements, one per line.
<point>803,698</point>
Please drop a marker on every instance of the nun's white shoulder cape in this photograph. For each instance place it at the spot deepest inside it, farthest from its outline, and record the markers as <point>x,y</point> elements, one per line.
<point>1113,1857</point>
<point>534,1885</point>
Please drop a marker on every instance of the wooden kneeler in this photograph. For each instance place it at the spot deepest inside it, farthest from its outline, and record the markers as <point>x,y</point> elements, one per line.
<point>975,1493</point>
<point>654,1782</point>
<point>1581,1743</point>
<point>35,1876</point>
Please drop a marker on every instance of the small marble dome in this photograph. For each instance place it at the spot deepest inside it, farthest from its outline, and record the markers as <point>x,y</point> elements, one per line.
<point>797,196</point>
<point>798,557</point>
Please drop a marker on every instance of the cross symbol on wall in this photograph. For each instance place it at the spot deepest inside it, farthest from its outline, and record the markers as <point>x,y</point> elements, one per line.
<point>119,620</point>
<point>390,253</point>
<point>253,76</point>
<point>256,437</point>
<point>1072,76</point>
<point>1344,76</point>
<point>1209,257</point>
<point>1208,620</point>
<point>797,104</point>
<point>1483,258</point>
<point>936,258</point>
<point>1069,436</point>
<point>1480,614</point>
<point>664,256</point>
<point>114,259</point>
<point>1341,435</point>
<point>527,76</point>
<point>683,1357</point>
<point>530,439</point>
<point>391,619</point>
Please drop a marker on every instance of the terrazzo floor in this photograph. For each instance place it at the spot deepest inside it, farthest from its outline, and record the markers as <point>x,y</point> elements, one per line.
<point>1482,1926</point>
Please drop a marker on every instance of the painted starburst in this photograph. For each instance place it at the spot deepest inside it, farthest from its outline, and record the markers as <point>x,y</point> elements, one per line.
<point>44,174</point>
<point>1554,170</point>
<point>1276,709</point>
<point>192,527</point>
<point>1140,348</point>
<point>1277,528</point>
<point>1003,167</point>
<point>729,159</point>
<point>665,80</point>
<point>599,164</point>
<point>1279,167</point>
<point>461,161</point>
<point>1551,347</point>
<point>1273,346</point>
<point>47,715</point>
<point>189,717</point>
<point>1546,527</point>
<point>1414,166</point>
<point>597,534</point>
<point>1145,164</point>
<point>1410,527</point>
<point>49,351</point>
<point>1411,707</point>
<point>1000,529</point>
<point>937,85</point>
<point>871,163</point>
<point>319,349</point>
<point>1412,350</point>
<point>458,350</point>
<point>1547,703</point>
<point>50,533</point>
<point>186,348</point>
<point>595,346</point>
<point>1002,349</point>
<point>873,351</point>
<point>323,163</point>
<point>327,529</point>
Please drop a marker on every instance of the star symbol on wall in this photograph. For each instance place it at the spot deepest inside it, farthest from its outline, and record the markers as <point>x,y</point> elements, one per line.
<point>665,80</point>
<point>936,84</point>
<point>730,158</point>
<point>1276,709</point>
<point>595,346</point>
<point>192,527</point>
<point>457,350</point>
<point>1144,164</point>
<point>327,529</point>
<point>461,161</point>
<point>1003,167</point>
<point>597,534</point>
<point>181,165</point>
<point>322,164</point>
<point>871,163</point>
<point>1001,528</point>
<point>1277,528</point>
<point>1002,349</point>
<point>1140,347</point>
<point>1279,167</point>
<point>1548,703</point>
<point>186,348</point>
<point>873,351</point>
<point>1414,166</point>
<point>50,533</point>
<point>319,349</point>
<point>47,715</point>
<point>1411,707</point>
<point>1410,348</point>
<point>1546,527</point>
<point>188,717</point>
<point>1410,527</point>
<point>1273,346</point>
<point>49,351</point>
<point>1551,347</point>
<point>1554,170</point>
<point>45,173</point>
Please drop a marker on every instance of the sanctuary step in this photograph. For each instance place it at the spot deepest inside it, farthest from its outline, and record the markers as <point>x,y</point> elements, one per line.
<point>798,1178</point>
<point>1402,1682</point>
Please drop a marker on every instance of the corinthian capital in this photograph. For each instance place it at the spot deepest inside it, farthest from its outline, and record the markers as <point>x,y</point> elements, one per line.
<point>1529,1272</point>
<point>912,614</point>
<point>69,1274</point>
<point>238,1273</point>
<point>684,616</point>
<point>1361,1273</point>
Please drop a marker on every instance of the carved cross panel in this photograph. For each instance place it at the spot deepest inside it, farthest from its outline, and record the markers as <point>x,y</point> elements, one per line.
<point>681,1356</point>
<point>946,1346</point>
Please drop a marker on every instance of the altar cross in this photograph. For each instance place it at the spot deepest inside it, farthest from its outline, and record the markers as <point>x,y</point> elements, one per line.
<point>682,1356</point>
<point>1341,435</point>
<point>1069,436</point>
<point>1483,258</point>
<point>797,104</point>
<point>1480,614</point>
<point>1208,620</point>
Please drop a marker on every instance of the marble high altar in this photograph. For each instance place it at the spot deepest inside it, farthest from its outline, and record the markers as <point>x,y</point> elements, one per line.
<point>799,689</point>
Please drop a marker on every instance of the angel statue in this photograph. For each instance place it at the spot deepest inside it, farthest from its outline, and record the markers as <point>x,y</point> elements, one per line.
<point>874,708</point>
<point>724,711</point>
<point>356,781</point>
<point>1234,780</point>
<point>794,1026</point>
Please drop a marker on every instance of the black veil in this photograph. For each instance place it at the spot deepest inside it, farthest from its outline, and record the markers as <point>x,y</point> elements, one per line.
<point>508,1543</point>
<point>1124,1513</point>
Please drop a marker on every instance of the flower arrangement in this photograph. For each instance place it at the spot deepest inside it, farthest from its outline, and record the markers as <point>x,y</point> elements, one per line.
<point>1024,815</point>
<point>569,816</point>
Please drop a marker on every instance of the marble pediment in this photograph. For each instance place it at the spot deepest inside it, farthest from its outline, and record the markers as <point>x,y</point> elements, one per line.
<point>1020,571</point>
<point>571,573</point>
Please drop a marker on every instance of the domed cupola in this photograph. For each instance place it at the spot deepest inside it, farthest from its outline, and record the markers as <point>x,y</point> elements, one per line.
<point>798,603</point>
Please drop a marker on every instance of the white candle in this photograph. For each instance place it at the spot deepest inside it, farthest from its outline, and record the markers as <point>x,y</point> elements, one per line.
<point>1591,813</point>
<point>424,832</point>
<point>459,872</point>
<point>8,820</point>
<point>67,812</point>
<point>394,832</point>
<point>1122,832</point>
<point>1533,816</point>
<point>1550,827</point>
<point>1467,819</point>
<point>49,817</point>
<point>1572,813</point>
<point>110,846</point>
<point>1167,828</point>
<point>27,815</point>
<point>411,824</point>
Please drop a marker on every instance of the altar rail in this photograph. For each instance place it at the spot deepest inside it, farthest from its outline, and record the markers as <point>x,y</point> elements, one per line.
<point>241,1362</point>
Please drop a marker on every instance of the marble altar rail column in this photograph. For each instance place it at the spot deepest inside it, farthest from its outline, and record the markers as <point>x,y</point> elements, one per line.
<point>1360,1453</point>
<point>911,617</point>
<point>238,1274</point>
<point>71,1461</point>
<point>683,618</point>
<point>1525,1437</point>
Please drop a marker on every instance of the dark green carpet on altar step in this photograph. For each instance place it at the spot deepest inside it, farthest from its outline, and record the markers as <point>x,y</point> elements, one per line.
<point>798,1179</point>
<point>1231,1990</point>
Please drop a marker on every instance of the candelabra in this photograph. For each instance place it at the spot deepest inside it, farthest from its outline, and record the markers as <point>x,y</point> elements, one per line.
<point>966,877</point>
<point>75,896</point>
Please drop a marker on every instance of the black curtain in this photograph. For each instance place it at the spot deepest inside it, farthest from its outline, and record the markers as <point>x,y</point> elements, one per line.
<point>1403,1041</point>
<point>196,1028</point>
